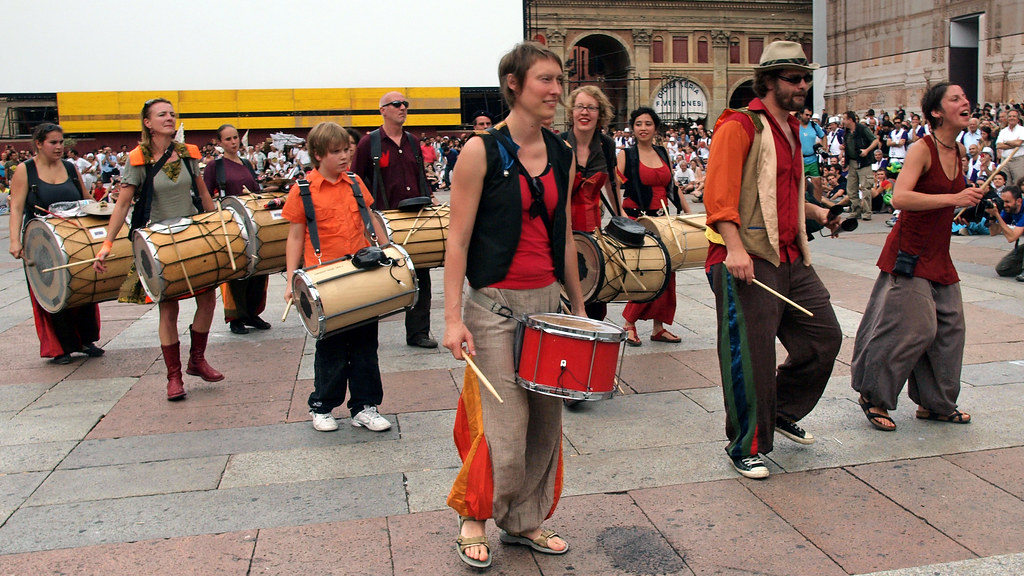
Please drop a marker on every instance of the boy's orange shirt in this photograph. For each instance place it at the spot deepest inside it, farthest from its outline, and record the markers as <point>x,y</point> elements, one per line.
<point>339,224</point>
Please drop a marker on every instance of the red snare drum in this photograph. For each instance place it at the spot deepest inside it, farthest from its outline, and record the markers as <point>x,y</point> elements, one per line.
<point>569,356</point>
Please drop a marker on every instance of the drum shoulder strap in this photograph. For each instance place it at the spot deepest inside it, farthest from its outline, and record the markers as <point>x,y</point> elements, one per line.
<point>307,204</point>
<point>73,176</point>
<point>378,184</point>
<point>363,211</point>
<point>222,177</point>
<point>491,306</point>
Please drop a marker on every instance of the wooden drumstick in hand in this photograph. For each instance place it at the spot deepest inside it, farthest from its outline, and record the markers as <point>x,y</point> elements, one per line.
<point>480,375</point>
<point>287,309</point>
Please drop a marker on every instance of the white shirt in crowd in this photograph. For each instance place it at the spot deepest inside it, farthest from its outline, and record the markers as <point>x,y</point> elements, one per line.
<point>1007,134</point>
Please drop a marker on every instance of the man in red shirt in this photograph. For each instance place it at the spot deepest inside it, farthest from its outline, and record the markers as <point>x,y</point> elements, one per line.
<point>757,231</point>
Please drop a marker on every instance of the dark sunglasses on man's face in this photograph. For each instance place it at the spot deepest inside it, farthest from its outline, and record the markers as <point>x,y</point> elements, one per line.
<point>398,103</point>
<point>795,80</point>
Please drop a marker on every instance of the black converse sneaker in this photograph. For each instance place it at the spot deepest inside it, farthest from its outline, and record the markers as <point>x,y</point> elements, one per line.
<point>750,466</point>
<point>790,430</point>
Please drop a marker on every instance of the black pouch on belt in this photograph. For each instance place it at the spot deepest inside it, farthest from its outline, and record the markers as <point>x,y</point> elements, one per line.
<point>370,257</point>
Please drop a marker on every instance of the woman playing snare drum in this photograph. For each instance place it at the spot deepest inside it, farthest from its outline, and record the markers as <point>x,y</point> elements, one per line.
<point>167,196</point>
<point>509,220</point>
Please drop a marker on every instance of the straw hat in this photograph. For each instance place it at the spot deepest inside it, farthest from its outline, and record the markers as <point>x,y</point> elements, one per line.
<point>783,54</point>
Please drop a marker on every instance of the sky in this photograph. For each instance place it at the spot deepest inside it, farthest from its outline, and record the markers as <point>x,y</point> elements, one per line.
<point>126,45</point>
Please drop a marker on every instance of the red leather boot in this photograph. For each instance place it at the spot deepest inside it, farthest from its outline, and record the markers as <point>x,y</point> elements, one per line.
<point>172,358</point>
<point>197,364</point>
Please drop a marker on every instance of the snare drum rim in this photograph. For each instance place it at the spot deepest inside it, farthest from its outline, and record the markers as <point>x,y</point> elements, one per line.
<point>534,321</point>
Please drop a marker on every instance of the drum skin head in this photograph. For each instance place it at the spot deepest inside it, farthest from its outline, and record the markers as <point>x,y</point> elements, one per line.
<point>42,249</point>
<point>591,265</point>
<point>414,204</point>
<point>99,208</point>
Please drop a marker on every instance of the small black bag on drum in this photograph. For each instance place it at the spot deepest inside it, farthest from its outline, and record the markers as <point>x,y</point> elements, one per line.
<point>626,231</point>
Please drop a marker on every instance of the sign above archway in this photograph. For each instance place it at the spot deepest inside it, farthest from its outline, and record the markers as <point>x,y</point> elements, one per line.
<point>681,99</point>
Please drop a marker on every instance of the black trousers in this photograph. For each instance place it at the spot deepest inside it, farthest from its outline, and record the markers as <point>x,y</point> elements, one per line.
<point>417,320</point>
<point>347,360</point>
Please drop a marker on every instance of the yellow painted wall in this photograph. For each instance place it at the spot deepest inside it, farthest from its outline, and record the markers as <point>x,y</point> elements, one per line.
<point>99,112</point>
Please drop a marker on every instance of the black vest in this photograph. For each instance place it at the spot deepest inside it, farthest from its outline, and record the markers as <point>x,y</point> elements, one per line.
<point>499,216</point>
<point>642,193</point>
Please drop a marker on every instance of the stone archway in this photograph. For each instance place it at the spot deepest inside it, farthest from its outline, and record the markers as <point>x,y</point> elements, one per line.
<point>603,61</point>
<point>742,94</point>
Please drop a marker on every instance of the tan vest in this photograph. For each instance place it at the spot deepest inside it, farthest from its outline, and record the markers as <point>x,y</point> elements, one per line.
<point>758,206</point>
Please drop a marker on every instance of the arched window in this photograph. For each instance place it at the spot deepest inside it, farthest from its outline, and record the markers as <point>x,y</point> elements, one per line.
<point>658,49</point>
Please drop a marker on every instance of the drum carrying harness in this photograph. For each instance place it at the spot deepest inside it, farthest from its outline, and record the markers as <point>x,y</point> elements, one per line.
<point>378,181</point>
<point>365,256</point>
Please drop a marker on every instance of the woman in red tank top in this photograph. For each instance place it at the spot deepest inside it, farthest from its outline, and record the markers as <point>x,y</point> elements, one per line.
<point>913,328</point>
<point>652,173</point>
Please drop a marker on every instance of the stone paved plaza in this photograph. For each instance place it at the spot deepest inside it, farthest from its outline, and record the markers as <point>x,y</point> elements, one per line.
<point>99,474</point>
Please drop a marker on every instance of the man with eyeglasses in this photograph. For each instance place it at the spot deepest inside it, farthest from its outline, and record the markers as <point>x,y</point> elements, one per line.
<point>389,159</point>
<point>860,142</point>
<point>756,226</point>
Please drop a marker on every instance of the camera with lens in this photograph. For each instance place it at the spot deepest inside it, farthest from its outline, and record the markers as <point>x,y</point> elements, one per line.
<point>988,201</point>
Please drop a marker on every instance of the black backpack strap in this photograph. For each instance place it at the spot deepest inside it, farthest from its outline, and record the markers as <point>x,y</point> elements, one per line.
<point>377,186</point>
<point>608,149</point>
<point>222,177</point>
<point>307,205</point>
<point>512,150</point>
<point>196,200</point>
<point>371,232</point>
<point>73,176</point>
<point>252,171</point>
<point>141,217</point>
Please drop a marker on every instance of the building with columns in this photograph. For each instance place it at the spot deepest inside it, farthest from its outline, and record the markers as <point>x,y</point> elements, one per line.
<point>882,55</point>
<point>688,59</point>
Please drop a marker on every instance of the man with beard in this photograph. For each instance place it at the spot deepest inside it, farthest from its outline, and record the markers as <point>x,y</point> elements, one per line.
<point>757,230</point>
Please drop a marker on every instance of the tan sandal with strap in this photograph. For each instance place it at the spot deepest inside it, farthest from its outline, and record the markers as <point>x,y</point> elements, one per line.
<point>540,543</point>
<point>464,543</point>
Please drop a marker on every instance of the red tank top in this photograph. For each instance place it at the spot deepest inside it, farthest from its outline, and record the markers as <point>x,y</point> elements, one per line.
<point>532,265</point>
<point>658,179</point>
<point>926,232</point>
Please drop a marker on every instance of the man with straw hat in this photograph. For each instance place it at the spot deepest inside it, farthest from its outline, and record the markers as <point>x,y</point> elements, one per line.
<point>759,265</point>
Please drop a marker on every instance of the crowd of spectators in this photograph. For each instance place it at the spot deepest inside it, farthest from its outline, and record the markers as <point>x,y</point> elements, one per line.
<point>688,147</point>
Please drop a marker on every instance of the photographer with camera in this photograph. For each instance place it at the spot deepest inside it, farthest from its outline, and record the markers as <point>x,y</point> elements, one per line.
<point>1006,217</point>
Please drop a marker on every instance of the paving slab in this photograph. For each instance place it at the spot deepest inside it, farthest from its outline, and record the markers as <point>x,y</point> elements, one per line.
<point>354,548</point>
<point>15,397</point>
<point>419,426</point>
<point>40,427</point>
<point>15,488</point>
<point>125,480</point>
<point>968,509</point>
<point>1000,467</point>
<point>196,444</point>
<point>171,515</point>
<point>722,528</point>
<point>428,489</point>
<point>859,528</point>
<point>1007,565</point>
<point>425,544</point>
<point>419,391</point>
<point>223,554</point>
<point>990,373</point>
<point>659,371</point>
<point>609,534</point>
<point>122,362</point>
<point>384,456</point>
<point>36,457</point>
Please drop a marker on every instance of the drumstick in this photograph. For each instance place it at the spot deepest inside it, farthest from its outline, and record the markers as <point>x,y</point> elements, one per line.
<point>1000,167</point>
<point>619,261</point>
<point>287,309</point>
<point>480,376</point>
<point>224,229</point>
<point>668,219</point>
<point>692,223</point>
<point>414,227</point>
<point>174,241</point>
<point>41,209</point>
<point>73,264</point>
<point>245,190</point>
<point>783,298</point>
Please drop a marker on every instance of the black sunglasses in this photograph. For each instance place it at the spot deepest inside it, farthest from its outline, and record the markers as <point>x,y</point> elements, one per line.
<point>795,80</point>
<point>398,104</point>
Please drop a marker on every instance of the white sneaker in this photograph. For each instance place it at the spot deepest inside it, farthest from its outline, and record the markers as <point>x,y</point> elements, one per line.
<point>369,418</point>
<point>324,422</point>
